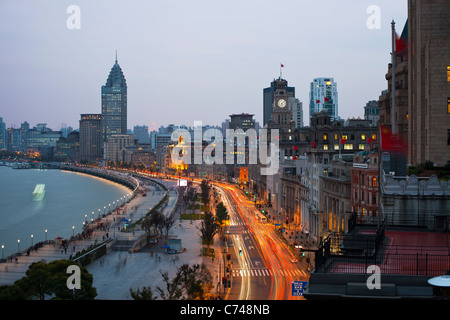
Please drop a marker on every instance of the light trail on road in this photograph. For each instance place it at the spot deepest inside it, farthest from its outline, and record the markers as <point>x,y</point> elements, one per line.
<point>276,254</point>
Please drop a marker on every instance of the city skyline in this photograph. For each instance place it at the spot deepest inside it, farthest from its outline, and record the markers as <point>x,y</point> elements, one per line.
<point>190,62</point>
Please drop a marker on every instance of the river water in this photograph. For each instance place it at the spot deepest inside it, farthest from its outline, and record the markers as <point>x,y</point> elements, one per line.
<point>69,197</point>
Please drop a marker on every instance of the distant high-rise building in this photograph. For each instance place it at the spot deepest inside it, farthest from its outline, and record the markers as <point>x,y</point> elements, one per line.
<point>2,134</point>
<point>242,121</point>
<point>115,147</point>
<point>323,95</point>
<point>371,112</point>
<point>268,97</point>
<point>296,107</point>
<point>141,134</point>
<point>114,103</point>
<point>91,137</point>
<point>24,128</point>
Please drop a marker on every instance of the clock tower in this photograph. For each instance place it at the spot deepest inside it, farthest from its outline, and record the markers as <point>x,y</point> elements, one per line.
<point>282,121</point>
<point>281,115</point>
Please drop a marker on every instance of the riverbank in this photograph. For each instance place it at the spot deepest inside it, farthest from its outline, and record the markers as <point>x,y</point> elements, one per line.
<point>110,226</point>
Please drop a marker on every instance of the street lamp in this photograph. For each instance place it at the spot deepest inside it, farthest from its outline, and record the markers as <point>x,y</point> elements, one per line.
<point>441,286</point>
<point>31,239</point>
<point>3,251</point>
<point>45,234</point>
<point>73,231</point>
<point>18,244</point>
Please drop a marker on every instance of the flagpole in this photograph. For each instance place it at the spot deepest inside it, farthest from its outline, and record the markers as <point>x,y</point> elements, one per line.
<point>393,77</point>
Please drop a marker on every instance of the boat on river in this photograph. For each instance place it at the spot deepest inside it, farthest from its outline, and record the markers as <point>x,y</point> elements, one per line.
<point>39,192</point>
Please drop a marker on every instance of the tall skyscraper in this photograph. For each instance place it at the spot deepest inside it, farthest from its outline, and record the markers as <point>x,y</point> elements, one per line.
<point>268,94</point>
<point>428,81</point>
<point>91,137</point>
<point>24,129</point>
<point>323,95</point>
<point>114,103</point>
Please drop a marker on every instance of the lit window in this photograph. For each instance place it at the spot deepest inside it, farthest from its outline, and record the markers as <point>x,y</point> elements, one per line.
<point>361,146</point>
<point>348,146</point>
<point>448,105</point>
<point>363,136</point>
<point>325,136</point>
<point>335,136</point>
<point>448,73</point>
<point>336,147</point>
<point>374,182</point>
<point>325,147</point>
<point>344,136</point>
<point>374,137</point>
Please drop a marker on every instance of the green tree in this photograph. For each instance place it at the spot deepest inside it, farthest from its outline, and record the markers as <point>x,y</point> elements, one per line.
<point>221,213</point>
<point>173,290</point>
<point>12,292</point>
<point>145,294</point>
<point>208,228</point>
<point>50,280</point>
<point>195,281</point>
<point>205,192</point>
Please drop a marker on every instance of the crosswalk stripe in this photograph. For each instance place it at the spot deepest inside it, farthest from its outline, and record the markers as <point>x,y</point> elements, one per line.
<point>267,273</point>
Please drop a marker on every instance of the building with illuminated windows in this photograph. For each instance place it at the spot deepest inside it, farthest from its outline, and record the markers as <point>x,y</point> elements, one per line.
<point>323,95</point>
<point>114,103</point>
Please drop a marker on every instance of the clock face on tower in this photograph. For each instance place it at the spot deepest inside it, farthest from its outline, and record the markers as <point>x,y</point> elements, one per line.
<point>281,103</point>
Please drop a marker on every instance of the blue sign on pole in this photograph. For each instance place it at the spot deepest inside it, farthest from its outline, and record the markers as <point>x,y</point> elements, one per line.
<point>298,287</point>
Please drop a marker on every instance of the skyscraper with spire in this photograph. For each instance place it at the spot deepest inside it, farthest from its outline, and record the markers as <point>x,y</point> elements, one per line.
<point>114,103</point>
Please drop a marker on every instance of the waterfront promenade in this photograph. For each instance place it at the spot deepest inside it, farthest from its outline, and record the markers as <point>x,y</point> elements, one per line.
<point>120,270</point>
<point>112,227</point>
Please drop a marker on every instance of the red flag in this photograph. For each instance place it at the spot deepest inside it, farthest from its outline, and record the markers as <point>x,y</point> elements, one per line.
<point>313,144</point>
<point>317,101</point>
<point>294,157</point>
<point>326,99</point>
<point>282,65</point>
<point>343,141</point>
<point>295,148</point>
<point>369,140</point>
<point>391,142</point>
<point>400,44</point>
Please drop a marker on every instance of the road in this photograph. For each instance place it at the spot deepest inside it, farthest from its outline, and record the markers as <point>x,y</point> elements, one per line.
<point>263,266</point>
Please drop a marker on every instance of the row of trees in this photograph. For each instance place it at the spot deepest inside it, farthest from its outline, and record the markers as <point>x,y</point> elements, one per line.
<point>212,224</point>
<point>158,223</point>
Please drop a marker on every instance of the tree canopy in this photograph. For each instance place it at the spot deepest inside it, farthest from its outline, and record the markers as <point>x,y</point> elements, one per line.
<point>49,281</point>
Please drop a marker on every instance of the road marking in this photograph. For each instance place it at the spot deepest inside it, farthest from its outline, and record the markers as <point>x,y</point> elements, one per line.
<point>251,273</point>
